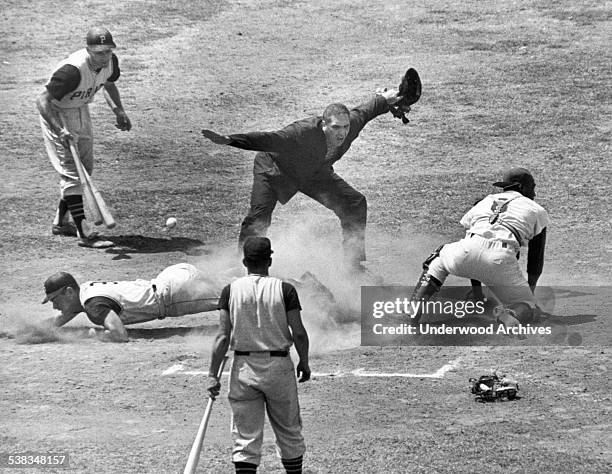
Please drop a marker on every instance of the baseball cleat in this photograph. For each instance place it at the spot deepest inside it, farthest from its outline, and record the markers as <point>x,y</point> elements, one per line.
<point>506,316</point>
<point>65,230</point>
<point>95,243</point>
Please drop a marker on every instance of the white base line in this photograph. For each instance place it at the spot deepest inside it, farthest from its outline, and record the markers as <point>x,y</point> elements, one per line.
<point>438,374</point>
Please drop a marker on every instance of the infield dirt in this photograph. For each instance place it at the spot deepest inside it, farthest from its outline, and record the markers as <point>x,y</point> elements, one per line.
<point>504,84</point>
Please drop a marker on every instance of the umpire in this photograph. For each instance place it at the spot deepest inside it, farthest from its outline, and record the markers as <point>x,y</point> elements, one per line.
<point>300,157</point>
<point>259,320</point>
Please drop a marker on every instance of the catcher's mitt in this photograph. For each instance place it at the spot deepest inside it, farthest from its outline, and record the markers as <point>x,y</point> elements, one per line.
<point>410,93</point>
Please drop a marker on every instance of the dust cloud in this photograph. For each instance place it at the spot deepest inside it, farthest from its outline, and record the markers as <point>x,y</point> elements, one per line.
<point>313,244</point>
<point>30,324</point>
<point>310,243</point>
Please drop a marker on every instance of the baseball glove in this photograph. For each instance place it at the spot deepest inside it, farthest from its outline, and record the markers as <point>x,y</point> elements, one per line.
<point>410,93</point>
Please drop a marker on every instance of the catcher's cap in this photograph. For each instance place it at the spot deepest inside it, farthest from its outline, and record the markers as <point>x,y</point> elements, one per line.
<point>257,249</point>
<point>100,39</point>
<point>515,176</point>
<point>56,283</point>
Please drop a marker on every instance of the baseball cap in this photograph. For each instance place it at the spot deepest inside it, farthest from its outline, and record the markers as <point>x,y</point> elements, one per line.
<point>100,39</point>
<point>513,177</point>
<point>56,283</point>
<point>257,248</point>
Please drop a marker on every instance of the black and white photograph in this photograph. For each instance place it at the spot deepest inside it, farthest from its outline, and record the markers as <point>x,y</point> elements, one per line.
<point>275,236</point>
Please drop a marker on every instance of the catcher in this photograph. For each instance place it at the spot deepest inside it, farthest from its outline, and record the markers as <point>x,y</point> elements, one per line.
<point>300,157</point>
<point>496,229</point>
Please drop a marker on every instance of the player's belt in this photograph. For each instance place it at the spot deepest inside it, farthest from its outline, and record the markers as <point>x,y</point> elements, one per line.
<point>160,303</point>
<point>272,353</point>
<point>496,242</point>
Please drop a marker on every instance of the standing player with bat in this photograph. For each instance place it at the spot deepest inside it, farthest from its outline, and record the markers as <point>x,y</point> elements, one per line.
<point>65,99</point>
<point>260,319</point>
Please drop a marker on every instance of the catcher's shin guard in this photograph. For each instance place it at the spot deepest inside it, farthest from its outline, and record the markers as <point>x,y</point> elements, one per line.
<point>426,287</point>
<point>422,278</point>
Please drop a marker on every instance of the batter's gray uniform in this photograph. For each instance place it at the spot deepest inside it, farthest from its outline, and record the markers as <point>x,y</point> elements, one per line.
<point>262,377</point>
<point>74,108</point>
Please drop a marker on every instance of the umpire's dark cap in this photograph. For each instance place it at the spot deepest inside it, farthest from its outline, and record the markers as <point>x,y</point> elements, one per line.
<point>100,39</point>
<point>257,249</point>
<point>56,283</point>
<point>515,176</point>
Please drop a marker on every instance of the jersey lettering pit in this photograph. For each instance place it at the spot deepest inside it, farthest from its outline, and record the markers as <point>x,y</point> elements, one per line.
<point>90,83</point>
<point>85,94</point>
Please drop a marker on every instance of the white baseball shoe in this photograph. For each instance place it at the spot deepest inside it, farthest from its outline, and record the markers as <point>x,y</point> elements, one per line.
<point>95,242</point>
<point>506,316</point>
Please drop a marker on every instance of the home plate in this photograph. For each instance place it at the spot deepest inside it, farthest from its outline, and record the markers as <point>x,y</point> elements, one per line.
<point>438,374</point>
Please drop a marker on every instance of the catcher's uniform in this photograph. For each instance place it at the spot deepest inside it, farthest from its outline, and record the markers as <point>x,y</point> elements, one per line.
<point>73,85</point>
<point>496,228</point>
<point>178,290</point>
<point>262,377</point>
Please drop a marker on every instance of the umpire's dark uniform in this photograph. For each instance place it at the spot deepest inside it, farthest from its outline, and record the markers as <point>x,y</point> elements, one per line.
<point>296,158</point>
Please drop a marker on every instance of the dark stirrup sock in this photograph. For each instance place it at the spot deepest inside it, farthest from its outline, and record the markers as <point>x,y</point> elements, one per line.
<point>293,466</point>
<point>245,468</point>
<point>75,206</point>
<point>62,209</point>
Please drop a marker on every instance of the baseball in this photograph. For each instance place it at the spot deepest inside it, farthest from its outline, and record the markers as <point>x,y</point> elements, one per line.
<point>171,222</point>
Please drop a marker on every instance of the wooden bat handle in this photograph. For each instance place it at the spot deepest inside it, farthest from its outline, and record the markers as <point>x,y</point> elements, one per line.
<point>96,205</point>
<point>90,201</point>
<point>196,447</point>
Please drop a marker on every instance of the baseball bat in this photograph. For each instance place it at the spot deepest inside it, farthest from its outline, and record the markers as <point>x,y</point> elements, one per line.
<point>196,447</point>
<point>107,217</point>
<point>96,204</point>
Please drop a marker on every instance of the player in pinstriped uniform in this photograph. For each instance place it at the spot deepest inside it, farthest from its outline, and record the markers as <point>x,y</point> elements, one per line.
<point>68,92</point>
<point>496,229</point>
<point>260,320</point>
<point>178,290</point>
